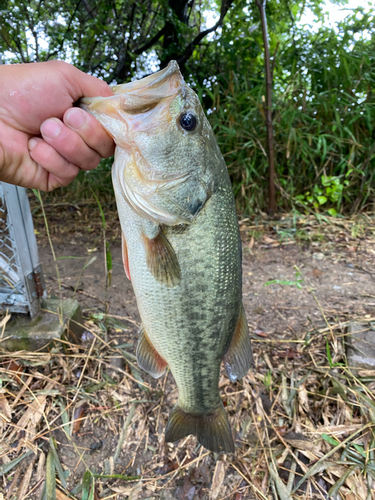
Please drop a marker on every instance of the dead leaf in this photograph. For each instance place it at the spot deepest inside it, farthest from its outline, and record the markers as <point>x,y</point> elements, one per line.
<point>121,490</point>
<point>316,273</point>
<point>132,492</point>
<point>25,481</point>
<point>60,495</point>
<point>200,475</point>
<point>268,240</point>
<point>303,398</point>
<point>299,441</point>
<point>186,491</point>
<point>5,410</point>
<point>40,473</point>
<point>357,485</point>
<point>78,418</point>
<point>261,334</point>
<point>3,323</point>
<point>217,480</point>
<point>135,492</point>
<point>17,369</point>
<point>14,482</point>
<point>33,415</point>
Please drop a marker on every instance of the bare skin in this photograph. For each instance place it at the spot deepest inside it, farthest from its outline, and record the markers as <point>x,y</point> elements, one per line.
<point>44,141</point>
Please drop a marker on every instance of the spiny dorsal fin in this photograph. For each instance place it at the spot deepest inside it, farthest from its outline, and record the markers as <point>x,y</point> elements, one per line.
<point>162,260</point>
<point>148,358</point>
<point>212,429</point>
<point>239,358</point>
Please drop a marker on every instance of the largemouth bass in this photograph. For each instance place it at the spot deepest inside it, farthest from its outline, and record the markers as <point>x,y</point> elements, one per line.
<point>181,246</point>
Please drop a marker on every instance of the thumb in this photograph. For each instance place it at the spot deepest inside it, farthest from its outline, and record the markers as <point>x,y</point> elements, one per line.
<point>86,85</point>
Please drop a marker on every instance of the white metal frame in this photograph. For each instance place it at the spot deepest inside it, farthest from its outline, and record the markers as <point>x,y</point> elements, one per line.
<point>21,279</point>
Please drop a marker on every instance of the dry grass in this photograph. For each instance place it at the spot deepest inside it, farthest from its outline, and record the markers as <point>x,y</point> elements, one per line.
<point>303,419</point>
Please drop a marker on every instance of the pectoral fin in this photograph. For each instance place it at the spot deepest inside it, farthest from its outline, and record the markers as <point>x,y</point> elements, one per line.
<point>162,260</point>
<point>239,358</point>
<point>148,358</point>
<point>125,257</point>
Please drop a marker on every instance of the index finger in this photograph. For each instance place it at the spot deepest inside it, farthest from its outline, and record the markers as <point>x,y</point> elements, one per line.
<point>90,130</point>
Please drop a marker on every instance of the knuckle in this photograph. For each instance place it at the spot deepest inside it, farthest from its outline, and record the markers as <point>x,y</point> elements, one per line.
<point>44,154</point>
<point>76,150</point>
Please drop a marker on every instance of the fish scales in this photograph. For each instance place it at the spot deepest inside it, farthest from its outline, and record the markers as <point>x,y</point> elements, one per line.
<point>182,250</point>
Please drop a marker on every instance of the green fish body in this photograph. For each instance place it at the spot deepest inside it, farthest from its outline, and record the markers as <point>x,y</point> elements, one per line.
<point>181,246</point>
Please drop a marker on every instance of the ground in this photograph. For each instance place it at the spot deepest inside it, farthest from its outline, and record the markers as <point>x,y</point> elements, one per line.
<point>300,407</point>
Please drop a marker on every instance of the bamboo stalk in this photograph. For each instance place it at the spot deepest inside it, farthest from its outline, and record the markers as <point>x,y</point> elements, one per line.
<point>268,109</point>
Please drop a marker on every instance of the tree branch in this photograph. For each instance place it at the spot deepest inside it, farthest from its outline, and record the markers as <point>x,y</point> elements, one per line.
<point>90,10</point>
<point>225,6</point>
<point>56,52</point>
<point>151,42</point>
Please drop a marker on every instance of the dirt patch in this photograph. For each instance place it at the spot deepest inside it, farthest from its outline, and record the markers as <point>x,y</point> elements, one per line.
<point>297,293</point>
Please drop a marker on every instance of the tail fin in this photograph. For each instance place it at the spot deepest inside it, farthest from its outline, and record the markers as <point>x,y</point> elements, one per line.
<point>212,429</point>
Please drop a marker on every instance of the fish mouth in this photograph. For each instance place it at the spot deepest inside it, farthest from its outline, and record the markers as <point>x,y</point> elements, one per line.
<point>138,96</point>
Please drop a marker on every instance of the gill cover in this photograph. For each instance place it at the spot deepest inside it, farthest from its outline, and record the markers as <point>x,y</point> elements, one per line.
<point>158,182</point>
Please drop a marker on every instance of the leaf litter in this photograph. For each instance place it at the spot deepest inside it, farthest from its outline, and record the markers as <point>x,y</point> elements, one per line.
<point>77,423</point>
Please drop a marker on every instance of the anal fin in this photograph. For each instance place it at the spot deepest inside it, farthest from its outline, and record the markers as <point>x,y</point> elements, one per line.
<point>162,260</point>
<point>212,429</point>
<point>148,358</point>
<point>238,358</point>
<point>125,257</point>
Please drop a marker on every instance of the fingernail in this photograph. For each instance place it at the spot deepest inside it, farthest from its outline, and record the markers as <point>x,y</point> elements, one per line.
<point>51,128</point>
<point>75,118</point>
<point>31,144</point>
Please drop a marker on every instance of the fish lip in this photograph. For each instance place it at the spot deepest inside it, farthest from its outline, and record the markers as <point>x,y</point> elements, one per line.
<point>150,81</point>
<point>138,95</point>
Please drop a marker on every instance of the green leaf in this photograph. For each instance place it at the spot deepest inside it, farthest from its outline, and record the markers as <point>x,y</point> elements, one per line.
<point>332,212</point>
<point>100,209</point>
<point>331,440</point>
<point>360,449</point>
<point>57,462</point>
<point>296,283</point>
<point>5,468</point>
<point>86,484</point>
<point>321,200</point>
<point>116,476</point>
<point>50,477</point>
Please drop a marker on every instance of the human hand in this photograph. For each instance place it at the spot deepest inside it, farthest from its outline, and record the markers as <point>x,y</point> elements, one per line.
<point>44,141</point>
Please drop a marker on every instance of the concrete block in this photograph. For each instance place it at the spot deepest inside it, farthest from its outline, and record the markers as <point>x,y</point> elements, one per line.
<point>361,345</point>
<point>59,319</point>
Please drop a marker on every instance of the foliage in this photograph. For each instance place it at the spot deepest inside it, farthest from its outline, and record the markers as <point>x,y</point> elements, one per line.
<point>323,111</point>
<point>323,106</point>
<point>108,39</point>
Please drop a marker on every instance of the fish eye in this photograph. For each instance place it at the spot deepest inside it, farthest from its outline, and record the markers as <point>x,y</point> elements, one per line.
<point>188,121</point>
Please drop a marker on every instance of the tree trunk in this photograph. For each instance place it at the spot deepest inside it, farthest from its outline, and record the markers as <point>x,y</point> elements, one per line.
<point>268,109</point>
